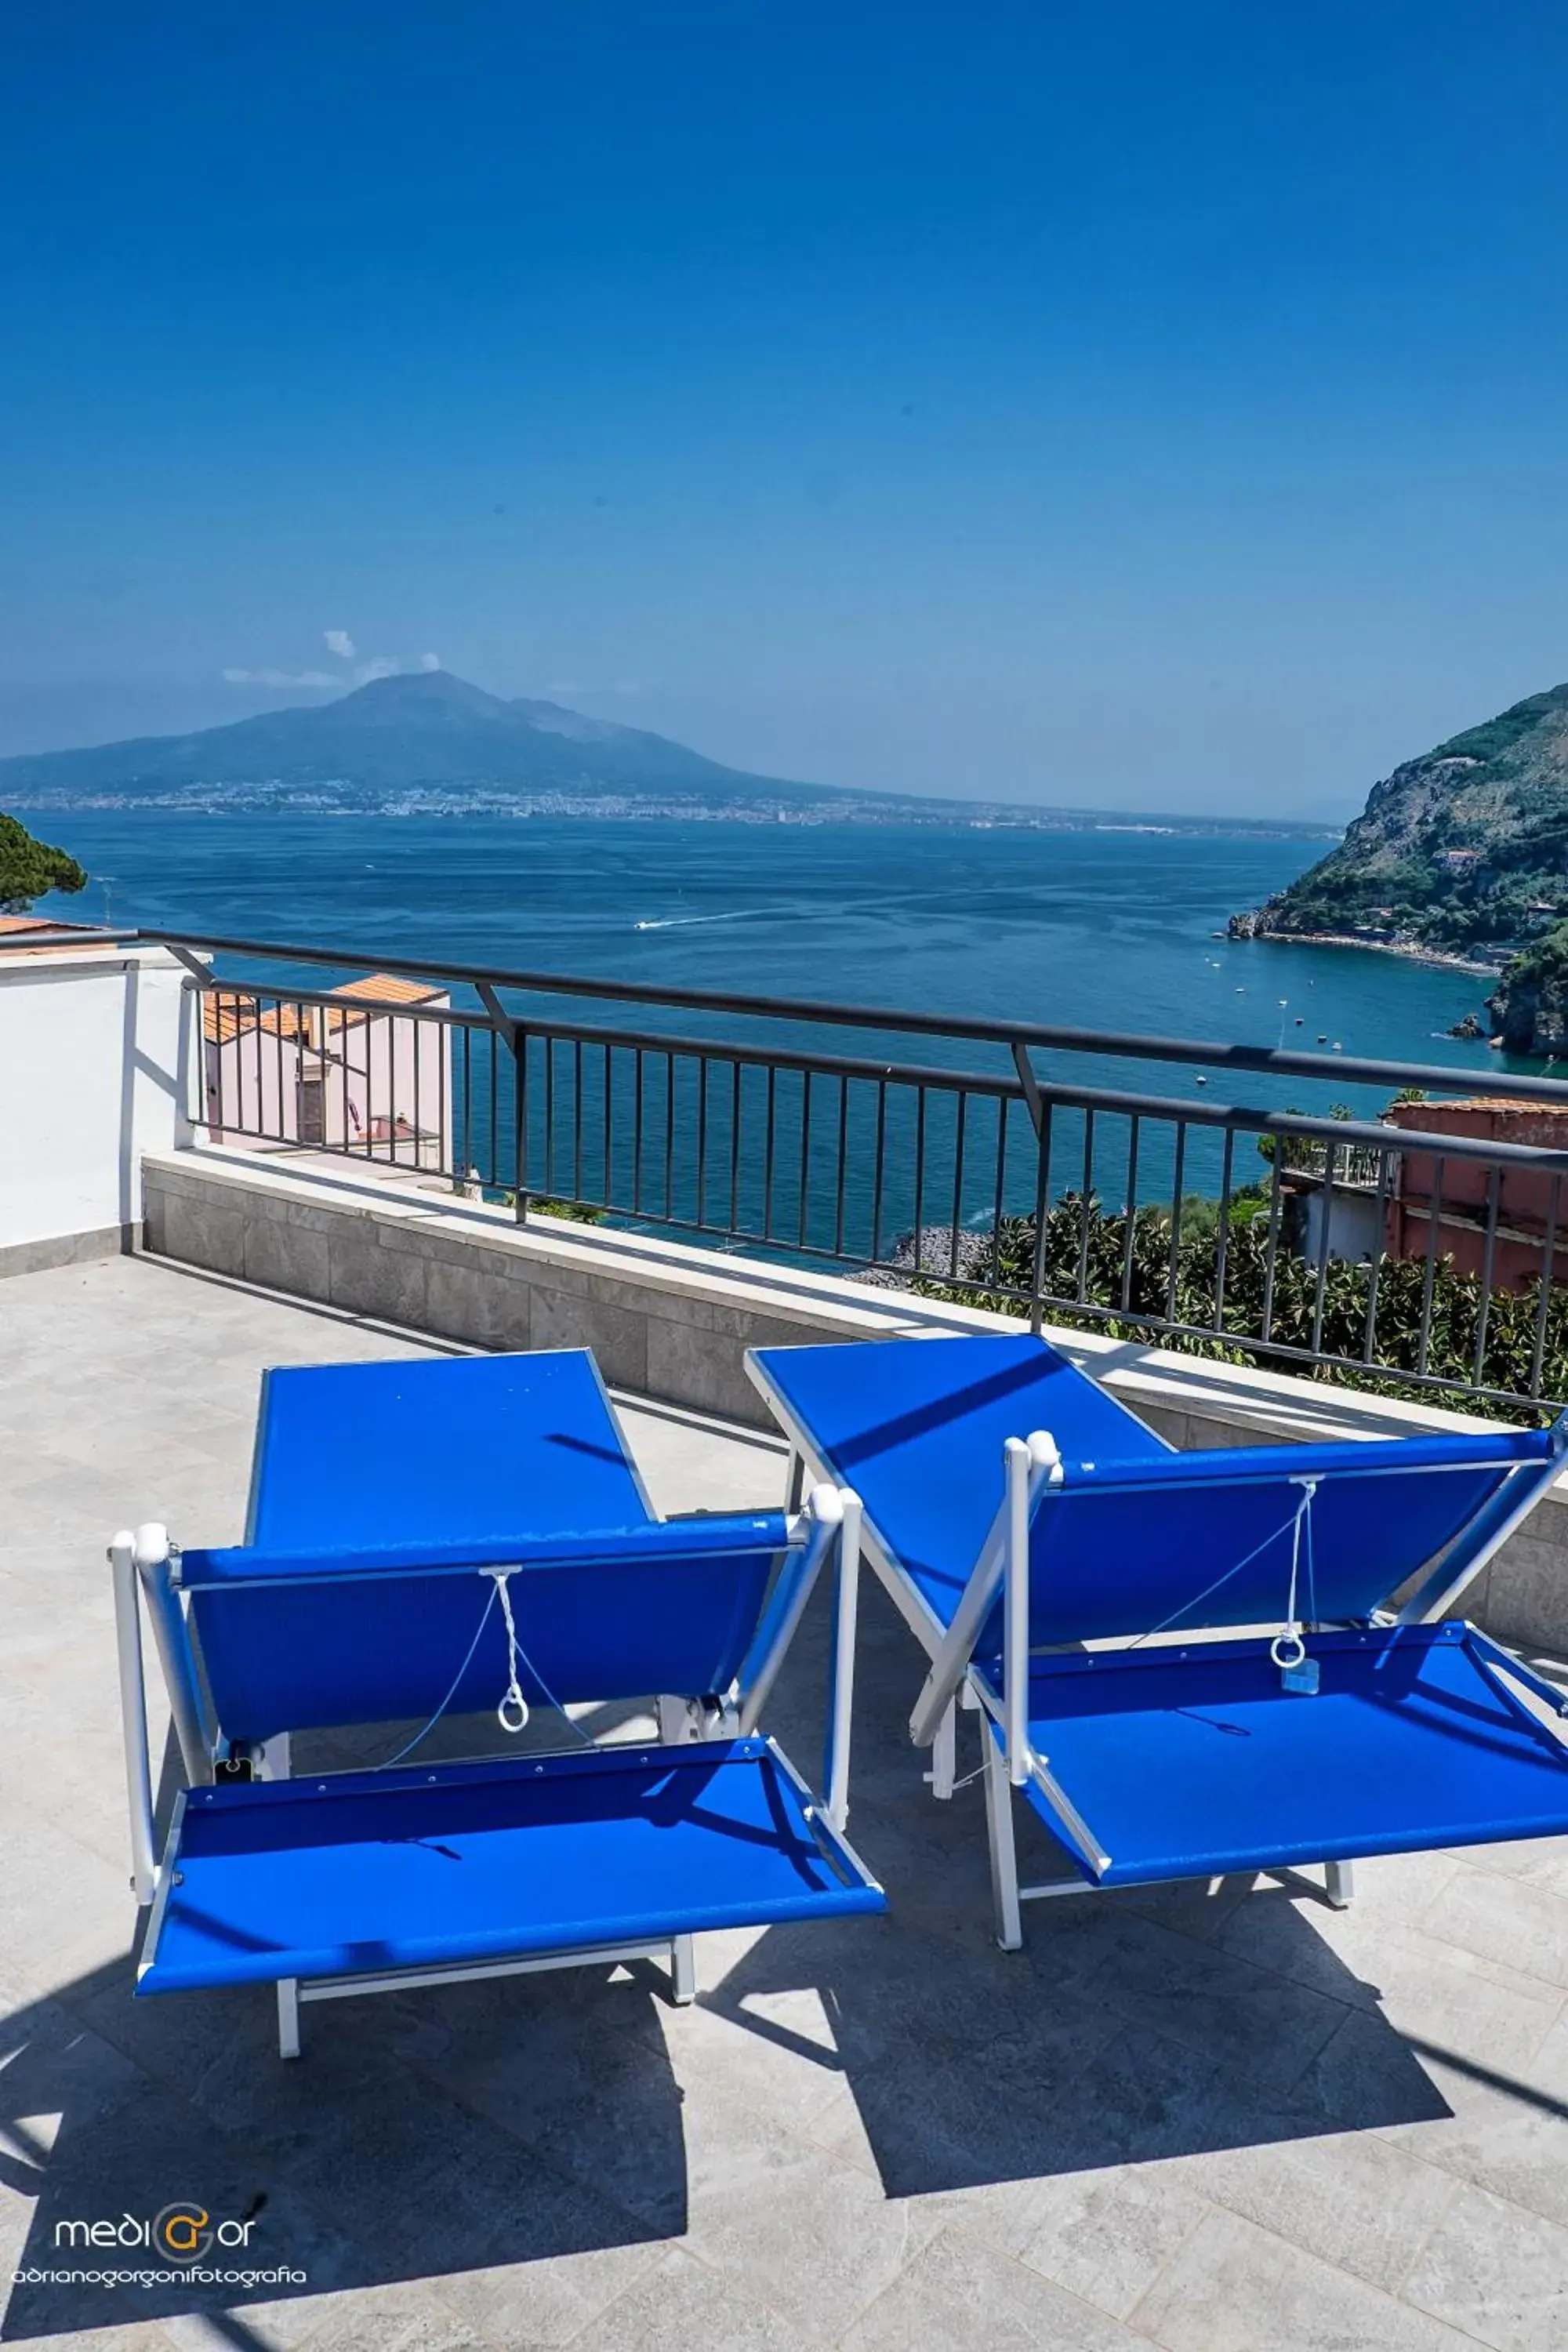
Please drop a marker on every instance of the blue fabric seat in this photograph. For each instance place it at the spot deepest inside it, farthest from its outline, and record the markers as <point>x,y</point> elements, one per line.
<point>1079,1577</point>
<point>916,1430</point>
<point>364,1873</point>
<point>434,1540</point>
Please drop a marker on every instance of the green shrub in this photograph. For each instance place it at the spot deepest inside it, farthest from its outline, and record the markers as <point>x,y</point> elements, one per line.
<point>1089,1253</point>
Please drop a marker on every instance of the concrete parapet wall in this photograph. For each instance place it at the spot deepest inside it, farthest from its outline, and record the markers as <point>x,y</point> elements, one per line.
<point>667,1319</point>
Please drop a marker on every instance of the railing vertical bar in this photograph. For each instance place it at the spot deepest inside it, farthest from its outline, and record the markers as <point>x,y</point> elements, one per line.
<point>495,1134</point>
<point>769,1116</point>
<point>445,1139</point>
<point>416,1040</point>
<point>804,1155</point>
<point>1374,1274</point>
<point>577,1119</point>
<point>919,1178</point>
<point>957,1187</point>
<point>609,1106</point>
<point>669,1133</point>
<point>637,1130</point>
<point>1222,1231</point>
<point>1423,1347</point>
<point>549,1044</point>
<point>843,1153</point>
<point>520,1120</point>
<point>468,1037</point>
<point>1084,1195</point>
<point>998,1195</point>
<point>736,1146</point>
<point>702,1140</point>
<point>1320,1280</point>
<point>1543,1304</point>
<point>1488,1258</point>
<point>1271,1247</point>
<point>877,1169</point>
<point>1172,1267</point>
<point>1042,1212</point>
<point>1130,1223</point>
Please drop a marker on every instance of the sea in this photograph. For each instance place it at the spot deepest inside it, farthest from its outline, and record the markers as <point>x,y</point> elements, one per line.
<point>1107,930</point>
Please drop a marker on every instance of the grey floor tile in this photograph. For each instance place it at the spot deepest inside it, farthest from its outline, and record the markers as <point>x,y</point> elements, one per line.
<point>1107,2235</point>
<point>1503,1918</point>
<point>1539,1861</point>
<point>1250,2019</point>
<point>809,2234</point>
<point>1417,1980</point>
<point>1498,2273</point>
<point>1353,2199</point>
<point>1236,2288</point>
<point>550,2300</point>
<point>959,2294</point>
<point>370,2319</point>
<point>679,2302</point>
<point>1505,2132</point>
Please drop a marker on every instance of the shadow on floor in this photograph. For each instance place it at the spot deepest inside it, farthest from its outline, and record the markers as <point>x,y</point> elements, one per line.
<point>420,2135</point>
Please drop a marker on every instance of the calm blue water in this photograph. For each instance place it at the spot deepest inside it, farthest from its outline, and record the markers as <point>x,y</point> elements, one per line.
<point>1102,931</point>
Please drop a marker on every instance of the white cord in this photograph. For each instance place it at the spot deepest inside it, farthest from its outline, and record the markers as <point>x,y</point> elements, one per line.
<point>1288,1648</point>
<point>512,1713</point>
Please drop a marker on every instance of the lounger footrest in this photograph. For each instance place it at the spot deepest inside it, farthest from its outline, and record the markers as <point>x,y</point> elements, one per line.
<point>1193,1761</point>
<point>366,1873</point>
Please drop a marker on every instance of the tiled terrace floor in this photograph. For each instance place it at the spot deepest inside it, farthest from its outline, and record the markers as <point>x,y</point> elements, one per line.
<point>1215,2121</point>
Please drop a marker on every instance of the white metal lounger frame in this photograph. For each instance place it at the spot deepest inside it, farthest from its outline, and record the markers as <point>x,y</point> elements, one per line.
<point>145,1567</point>
<point>1032,1469</point>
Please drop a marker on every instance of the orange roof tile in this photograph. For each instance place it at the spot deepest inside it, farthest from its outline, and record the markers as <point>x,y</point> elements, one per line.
<point>386,988</point>
<point>227,1014</point>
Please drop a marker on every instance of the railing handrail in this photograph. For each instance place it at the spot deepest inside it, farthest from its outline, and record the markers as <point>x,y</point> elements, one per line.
<point>1069,1095</point>
<point>1337,1069</point>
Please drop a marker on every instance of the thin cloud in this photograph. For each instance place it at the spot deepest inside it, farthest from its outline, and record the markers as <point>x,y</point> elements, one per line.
<point>339,642</point>
<point>429,661</point>
<point>373,669</point>
<point>279,677</point>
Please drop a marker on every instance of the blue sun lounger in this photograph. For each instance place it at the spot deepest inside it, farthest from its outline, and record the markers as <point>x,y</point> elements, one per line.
<point>1189,1664</point>
<point>469,1537</point>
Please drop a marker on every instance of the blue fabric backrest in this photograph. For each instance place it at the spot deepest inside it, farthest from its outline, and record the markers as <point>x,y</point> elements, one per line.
<point>1204,1539</point>
<point>294,1639</point>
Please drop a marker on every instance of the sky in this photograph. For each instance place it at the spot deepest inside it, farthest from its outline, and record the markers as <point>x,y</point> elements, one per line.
<point>1125,406</point>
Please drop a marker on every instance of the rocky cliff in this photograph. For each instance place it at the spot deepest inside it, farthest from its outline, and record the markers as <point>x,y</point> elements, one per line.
<point>1529,1007</point>
<point>1464,847</point>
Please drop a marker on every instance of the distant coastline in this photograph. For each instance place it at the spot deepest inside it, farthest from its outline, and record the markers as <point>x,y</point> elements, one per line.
<point>1408,949</point>
<point>342,798</point>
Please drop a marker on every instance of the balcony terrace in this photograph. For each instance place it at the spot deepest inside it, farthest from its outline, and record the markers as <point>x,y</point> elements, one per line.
<point>1218,2118</point>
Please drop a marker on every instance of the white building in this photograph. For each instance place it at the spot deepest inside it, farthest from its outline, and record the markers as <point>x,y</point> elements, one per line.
<point>364,1072</point>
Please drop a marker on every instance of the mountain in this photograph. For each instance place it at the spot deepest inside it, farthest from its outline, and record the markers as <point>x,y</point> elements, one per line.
<point>399,735</point>
<point>1464,849</point>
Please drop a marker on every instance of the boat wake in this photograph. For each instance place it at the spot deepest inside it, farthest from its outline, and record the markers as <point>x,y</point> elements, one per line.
<point>685,922</point>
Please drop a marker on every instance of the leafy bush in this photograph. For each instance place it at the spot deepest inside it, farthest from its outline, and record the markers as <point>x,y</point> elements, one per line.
<point>1089,1254</point>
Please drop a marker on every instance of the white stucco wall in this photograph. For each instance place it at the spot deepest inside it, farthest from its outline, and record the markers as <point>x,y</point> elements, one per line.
<point>90,1045</point>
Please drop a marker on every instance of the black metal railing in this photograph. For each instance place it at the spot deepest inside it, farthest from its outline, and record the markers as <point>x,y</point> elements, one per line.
<point>1007,1166</point>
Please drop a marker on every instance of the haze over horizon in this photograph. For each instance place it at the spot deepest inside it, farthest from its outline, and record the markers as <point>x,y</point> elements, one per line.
<point>1124,410</point>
